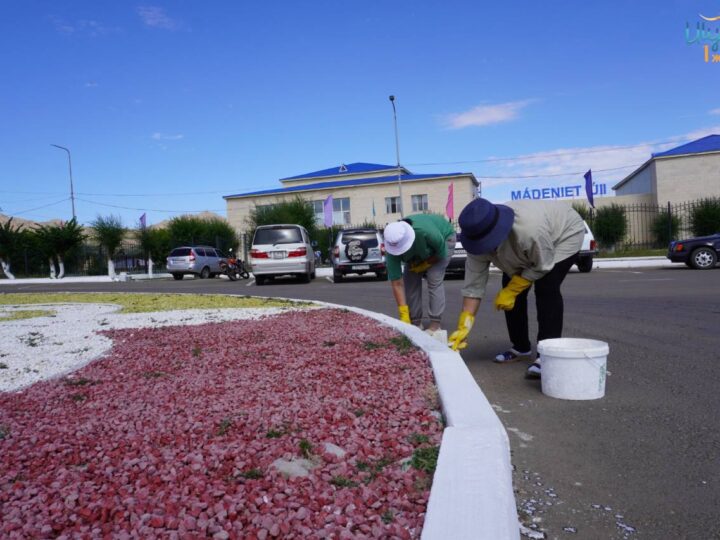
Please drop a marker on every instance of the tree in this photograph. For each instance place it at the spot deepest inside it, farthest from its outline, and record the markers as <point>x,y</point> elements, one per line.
<point>610,225</point>
<point>582,209</point>
<point>297,211</point>
<point>154,243</point>
<point>109,232</point>
<point>705,217</point>
<point>56,241</point>
<point>191,230</point>
<point>665,227</point>
<point>11,239</point>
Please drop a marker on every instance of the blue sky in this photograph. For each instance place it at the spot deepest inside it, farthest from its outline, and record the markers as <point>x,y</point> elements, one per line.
<point>167,106</point>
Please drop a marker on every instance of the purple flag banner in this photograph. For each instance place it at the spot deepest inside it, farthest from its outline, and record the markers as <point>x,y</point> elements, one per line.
<point>142,221</point>
<point>328,211</point>
<point>589,187</point>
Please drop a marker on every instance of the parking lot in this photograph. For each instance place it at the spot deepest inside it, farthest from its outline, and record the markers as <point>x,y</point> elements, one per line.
<point>641,462</point>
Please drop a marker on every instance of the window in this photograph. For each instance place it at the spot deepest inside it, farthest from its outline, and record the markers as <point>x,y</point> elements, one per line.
<point>319,212</point>
<point>341,211</point>
<point>392,205</point>
<point>419,203</point>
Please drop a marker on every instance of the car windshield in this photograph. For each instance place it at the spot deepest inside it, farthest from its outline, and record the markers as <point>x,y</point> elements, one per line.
<point>367,239</point>
<point>180,252</point>
<point>288,235</point>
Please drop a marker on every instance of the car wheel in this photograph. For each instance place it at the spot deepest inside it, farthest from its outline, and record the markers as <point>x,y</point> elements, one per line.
<point>313,275</point>
<point>703,258</point>
<point>337,278</point>
<point>381,276</point>
<point>585,264</point>
<point>260,280</point>
<point>305,278</point>
<point>177,277</point>
<point>205,273</point>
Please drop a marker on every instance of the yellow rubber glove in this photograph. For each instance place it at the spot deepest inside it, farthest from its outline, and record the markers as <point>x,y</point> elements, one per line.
<point>420,267</point>
<point>457,339</point>
<point>404,312</point>
<point>505,299</point>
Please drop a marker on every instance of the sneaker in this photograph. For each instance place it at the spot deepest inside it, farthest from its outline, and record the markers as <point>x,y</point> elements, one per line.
<point>533,372</point>
<point>509,356</point>
<point>439,334</point>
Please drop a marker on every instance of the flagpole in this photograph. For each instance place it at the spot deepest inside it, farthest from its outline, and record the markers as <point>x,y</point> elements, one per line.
<point>397,153</point>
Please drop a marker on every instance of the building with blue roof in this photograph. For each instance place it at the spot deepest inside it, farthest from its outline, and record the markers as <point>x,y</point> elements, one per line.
<point>686,173</point>
<point>362,193</point>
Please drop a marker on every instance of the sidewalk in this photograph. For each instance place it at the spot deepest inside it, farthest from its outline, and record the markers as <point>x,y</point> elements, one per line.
<point>326,271</point>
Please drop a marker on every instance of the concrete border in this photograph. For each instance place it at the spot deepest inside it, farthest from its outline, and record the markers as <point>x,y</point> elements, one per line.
<point>472,494</point>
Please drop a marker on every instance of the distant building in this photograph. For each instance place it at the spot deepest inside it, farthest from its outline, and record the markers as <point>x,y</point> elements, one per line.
<point>362,192</point>
<point>686,173</point>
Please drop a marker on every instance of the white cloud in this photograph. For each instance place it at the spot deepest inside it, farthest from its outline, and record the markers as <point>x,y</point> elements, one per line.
<point>484,115</point>
<point>156,17</point>
<point>167,137</point>
<point>623,159</point>
<point>91,84</point>
<point>715,111</point>
<point>82,27</point>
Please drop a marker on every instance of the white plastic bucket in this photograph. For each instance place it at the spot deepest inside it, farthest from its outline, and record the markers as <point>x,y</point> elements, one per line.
<point>573,368</point>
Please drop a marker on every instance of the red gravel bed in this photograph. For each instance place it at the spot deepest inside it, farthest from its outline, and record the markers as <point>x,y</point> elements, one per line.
<point>173,433</point>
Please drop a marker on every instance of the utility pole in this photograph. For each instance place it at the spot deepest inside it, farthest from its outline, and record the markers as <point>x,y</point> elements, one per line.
<point>72,192</point>
<point>397,153</point>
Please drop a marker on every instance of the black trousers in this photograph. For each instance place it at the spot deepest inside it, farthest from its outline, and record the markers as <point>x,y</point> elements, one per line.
<point>549,304</point>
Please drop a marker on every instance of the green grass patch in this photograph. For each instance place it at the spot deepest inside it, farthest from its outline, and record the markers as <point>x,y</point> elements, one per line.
<point>416,439</point>
<point>403,344</point>
<point>425,459</point>
<point>306,449</point>
<point>145,303</point>
<point>343,482</point>
<point>4,432</point>
<point>224,426</point>
<point>631,253</point>
<point>80,381</point>
<point>252,474</point>
<point>25,314</point>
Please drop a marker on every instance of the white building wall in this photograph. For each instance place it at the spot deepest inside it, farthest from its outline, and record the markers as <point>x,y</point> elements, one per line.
<point>362,198</point>
<point>642,182</point>
<point>688,178</point>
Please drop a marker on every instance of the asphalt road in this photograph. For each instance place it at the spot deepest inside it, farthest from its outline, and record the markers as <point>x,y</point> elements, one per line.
<point>644,461</point>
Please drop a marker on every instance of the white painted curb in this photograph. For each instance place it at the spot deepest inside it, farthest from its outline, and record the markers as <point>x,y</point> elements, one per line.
<point>472,494</point>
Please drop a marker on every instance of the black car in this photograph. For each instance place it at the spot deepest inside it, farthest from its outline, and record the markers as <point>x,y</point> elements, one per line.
<point>700,253</point>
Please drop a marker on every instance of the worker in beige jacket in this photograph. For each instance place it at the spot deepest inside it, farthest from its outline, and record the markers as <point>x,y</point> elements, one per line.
<point>533,243</point>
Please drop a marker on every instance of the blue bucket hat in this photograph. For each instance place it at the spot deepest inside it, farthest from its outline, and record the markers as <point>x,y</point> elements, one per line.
<point>484,225</point>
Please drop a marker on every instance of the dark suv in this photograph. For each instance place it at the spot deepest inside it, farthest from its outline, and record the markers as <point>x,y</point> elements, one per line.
<point>358,251</point>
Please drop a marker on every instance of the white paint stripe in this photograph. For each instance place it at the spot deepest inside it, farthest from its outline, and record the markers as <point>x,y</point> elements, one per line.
<point>250,282</point>
<point>329,279</point>
<point>644,280</point>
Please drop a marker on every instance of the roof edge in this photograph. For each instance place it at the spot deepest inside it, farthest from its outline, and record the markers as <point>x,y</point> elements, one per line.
<point>316,187</point>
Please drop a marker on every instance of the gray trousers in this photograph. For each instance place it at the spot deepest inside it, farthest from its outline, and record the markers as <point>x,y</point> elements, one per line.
<point>434,276</point>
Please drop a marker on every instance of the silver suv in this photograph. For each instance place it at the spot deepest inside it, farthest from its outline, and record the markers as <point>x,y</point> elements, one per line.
<point>202,261</point>
<point>358,251</point>
<point>279,250</point>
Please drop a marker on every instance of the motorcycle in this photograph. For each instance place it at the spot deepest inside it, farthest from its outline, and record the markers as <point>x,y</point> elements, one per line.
<point>234,267</point>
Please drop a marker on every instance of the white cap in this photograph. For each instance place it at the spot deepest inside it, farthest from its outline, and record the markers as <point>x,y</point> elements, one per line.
<point>399,237</point>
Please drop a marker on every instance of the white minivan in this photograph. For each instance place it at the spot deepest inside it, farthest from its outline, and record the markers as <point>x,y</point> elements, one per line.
<point>281,250</point>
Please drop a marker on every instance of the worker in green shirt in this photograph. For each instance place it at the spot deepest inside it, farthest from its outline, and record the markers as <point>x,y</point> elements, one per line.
<point>424,243</point>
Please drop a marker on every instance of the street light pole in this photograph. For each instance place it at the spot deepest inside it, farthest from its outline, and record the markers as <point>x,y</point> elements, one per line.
<point>72,192</point>
<point>397,152</point>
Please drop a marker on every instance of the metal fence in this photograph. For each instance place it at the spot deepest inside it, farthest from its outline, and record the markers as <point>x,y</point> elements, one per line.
<point>653,226</point>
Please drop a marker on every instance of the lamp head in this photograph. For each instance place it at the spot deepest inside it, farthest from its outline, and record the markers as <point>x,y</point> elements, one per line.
<point>392,98</point>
